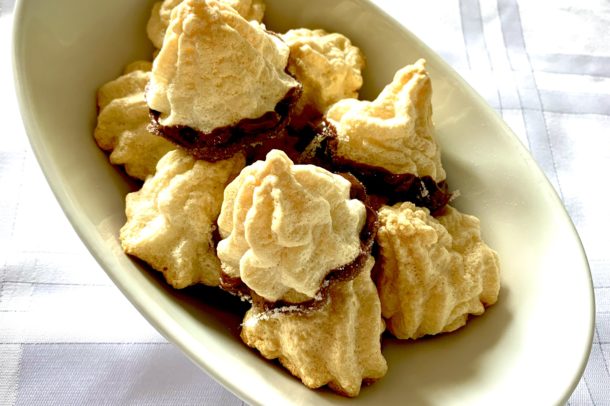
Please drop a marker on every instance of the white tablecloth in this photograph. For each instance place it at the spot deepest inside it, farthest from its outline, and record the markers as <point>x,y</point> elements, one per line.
<point>67,336</point>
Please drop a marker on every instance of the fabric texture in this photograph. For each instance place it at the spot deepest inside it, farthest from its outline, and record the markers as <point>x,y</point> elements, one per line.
<point>545,67</point>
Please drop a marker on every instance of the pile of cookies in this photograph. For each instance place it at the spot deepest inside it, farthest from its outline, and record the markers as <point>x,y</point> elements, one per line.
<point>263,174</point>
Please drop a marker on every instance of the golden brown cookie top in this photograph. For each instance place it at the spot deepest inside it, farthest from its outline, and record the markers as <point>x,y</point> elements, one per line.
<point>162,10</point>
<point>434,272</point>
<point>286,227</point>
<point>171,219</point>
<point>395,130</point>
<point>338,345</point>
<point>327,65</point>
<point>215,68</point>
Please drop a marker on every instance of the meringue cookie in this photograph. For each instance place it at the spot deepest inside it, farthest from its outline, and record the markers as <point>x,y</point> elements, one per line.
<point>122,123</point>
<point>327,65</point>
<point>145,66</point>
<point>170,220</point>
<point>395,130</point>
<point>285,227</point>
<point>338,344</point>
<point>162,10</point>
<point>434,272</point>
<point>215,69</point>
<point>132,82</point>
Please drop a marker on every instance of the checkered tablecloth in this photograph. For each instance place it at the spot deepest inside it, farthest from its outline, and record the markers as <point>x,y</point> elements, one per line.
<point>67,334</point>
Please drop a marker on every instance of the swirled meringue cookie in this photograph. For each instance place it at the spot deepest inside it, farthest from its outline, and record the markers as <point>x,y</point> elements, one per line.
<point>395,130</point>
<point>285,227</point>
<point>434,272</point>
<point>327,64</point>
<point>162,10</point>
<point>338,344</point>
<point>215,68</point>
<point>122,123</point>
<point>171,219</point>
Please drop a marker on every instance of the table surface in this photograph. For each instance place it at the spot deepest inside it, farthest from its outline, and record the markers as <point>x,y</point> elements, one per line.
<point>544,65</point>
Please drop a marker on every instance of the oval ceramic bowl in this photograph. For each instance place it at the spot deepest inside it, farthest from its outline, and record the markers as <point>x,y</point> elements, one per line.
<point>530,348</point>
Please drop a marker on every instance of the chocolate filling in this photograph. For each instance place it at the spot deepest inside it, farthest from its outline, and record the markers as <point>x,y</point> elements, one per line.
<point>224,142</point>
<point>343,273</point>
<point>382,186</point>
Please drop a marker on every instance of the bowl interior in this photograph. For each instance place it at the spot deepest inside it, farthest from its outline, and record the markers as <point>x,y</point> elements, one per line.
<point>499,356</point>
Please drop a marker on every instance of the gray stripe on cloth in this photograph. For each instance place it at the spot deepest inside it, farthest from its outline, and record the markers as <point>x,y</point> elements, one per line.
<point>123,372</point>
<point>581,395</point>
<point>9,372</point>
<point>603,333</point>
<point>535,123</point>
<point>590,65</point>
<point>6,6</point>
<point>596,373</point>
<point>510,20</point>
<point>600,269</point>
<point>575,103</point>
<point>478,55</point>
<point>472,29</point>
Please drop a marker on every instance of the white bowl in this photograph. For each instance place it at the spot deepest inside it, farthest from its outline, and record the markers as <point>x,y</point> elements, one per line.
<point>530,348</point>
